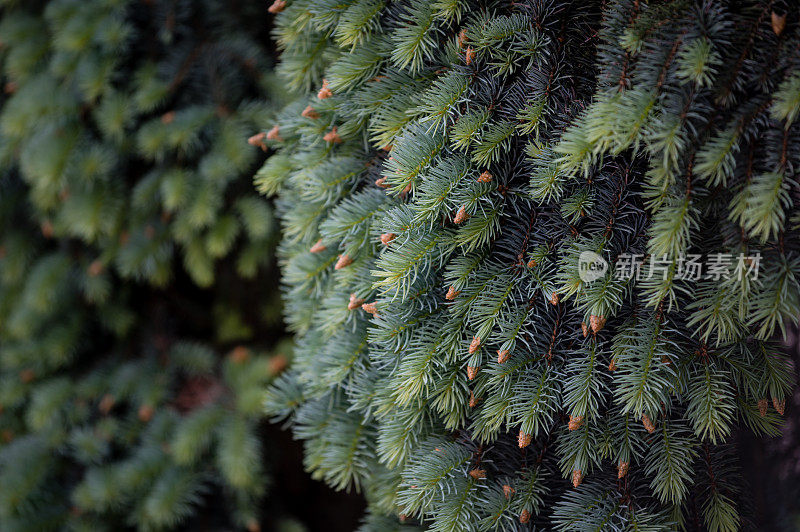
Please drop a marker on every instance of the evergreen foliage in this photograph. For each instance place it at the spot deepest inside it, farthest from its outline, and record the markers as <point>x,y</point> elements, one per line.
<point>124,191</point>
<point>441,176</point>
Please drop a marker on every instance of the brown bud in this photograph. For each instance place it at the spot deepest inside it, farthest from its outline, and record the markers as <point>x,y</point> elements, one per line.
<point>355,302</point>
<point>405,191</point>
<point>554,298</point>
<point>276,7</point>
<point>332,136</point>
<point>461,216</point>
<point>387,237</point>
<point>452,293</point>
<point>474,345</point>
<point>324,92</point>
<point>258,140</point>
<point>575,422</point>
<point>47,229</point>
<point>343,262</point>
<point>106,403</point>
<point>277,364</point>
<point>275,134</point>
<point>780,405</point>
<point>508,491</point>
<point>763,406</point>
<point>485,177</point>
<point>240,354</point>
<point>524,516</point>
<point>524,439</point>
<point>477,474</point>
<point>532,263</point>
<point>470,55</point>
<point>651,428</point>
<point>319,247</point>
<point>612,366</point>
<point>252,524</point>
<point>146,413</point>
<point>310,113</point>
<point>10,87</point>
<point>473,401</point>
<point>95,268</point>
<point>462,38</point>
<point>577,477</point>
<point>472,372</point>
<point>27,375</point>
<point>584,329</point>
<point>778,23</point>
<point>622,468</point>
<point>597,323</point>
<point>388,147</point>
<point>371,308</point>
<point>168,117</point>
<point>381,182</point>
<point>502,356</point>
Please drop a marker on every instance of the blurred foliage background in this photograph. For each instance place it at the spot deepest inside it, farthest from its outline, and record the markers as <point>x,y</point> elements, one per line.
<point>139,316</point>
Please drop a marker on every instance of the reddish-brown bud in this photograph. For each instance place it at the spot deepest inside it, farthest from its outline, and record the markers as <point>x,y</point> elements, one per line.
<point>778,23</point>
<point>648,424</point>
<point>355,302</point>
<point>524,439</point>
<point>780,405</point>
<point>324,92</point>
<point>763,406</point>
<point>462,38</point>
<point>477,474</point>
<point>332,136</point>
<point>146,413</point>
<point>276,7</point>
<point>502,356</point>
<point>474,345</point>
<point>95,268</point>
<point>309,113</point>
<point>343,262</point>
<point>597,323</point>
<point>461,216</point>
<point>469,56</point>
<point>319,247</point>
<point>275,134</point>
<point>240,354</point>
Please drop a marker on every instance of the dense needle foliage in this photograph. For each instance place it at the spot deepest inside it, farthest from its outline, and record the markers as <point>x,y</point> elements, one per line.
<point>125,192</point>
<point>442,176</point>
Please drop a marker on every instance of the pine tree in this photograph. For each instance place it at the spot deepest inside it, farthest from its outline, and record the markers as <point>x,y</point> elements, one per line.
<point>444,175</point>
<point>133,345</point>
